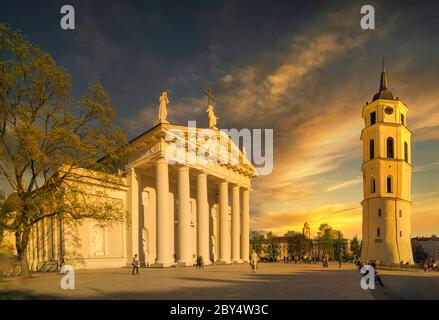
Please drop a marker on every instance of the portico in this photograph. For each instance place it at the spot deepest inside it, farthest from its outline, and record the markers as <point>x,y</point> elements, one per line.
<point>180,209</point>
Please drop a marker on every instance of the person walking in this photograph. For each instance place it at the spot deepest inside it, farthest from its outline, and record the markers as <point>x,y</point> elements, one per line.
<point>135,264</point>
<point>254,260</point>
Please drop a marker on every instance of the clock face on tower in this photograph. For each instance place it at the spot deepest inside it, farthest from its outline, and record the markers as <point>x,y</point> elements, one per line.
<point>388,110</point>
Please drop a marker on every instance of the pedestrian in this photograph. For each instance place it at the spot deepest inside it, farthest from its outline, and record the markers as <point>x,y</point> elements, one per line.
<point>61,264</point>
<point>377,276</point>
<point>254,261</point>
<point>201,262</point>
<point>135,264</point>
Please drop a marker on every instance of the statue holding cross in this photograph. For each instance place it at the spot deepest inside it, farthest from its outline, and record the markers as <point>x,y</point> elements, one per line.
<point>212,118</point>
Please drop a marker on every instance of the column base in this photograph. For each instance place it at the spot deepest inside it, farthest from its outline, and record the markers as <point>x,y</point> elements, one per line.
<point>222,262</point>
<point>185,263</point>
<point>162,265</point>
<point>237,261</point>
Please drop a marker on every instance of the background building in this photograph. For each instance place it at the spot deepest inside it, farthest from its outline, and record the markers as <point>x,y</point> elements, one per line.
<point>426,249</point>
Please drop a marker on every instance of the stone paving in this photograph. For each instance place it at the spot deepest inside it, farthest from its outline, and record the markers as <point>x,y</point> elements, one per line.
<point>412,285</point>
<point>272,281</point>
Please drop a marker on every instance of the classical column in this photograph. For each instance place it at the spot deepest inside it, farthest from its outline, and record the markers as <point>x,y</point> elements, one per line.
<point>235,225</point>
<point>224,245</point>
<point>245,225</point>
<point>184,219</point>
<point>203,239</point>
<point>56,241</point>
<point>164,221</point>
<point>133,207</point>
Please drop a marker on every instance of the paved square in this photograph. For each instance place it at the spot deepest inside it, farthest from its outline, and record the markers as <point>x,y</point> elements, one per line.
<point>272,281</point>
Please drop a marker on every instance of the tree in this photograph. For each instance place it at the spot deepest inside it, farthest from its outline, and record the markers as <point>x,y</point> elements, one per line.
<point>45,136</point>
<point>419,254</point>
<point>325,236</point>
<point>273,248</point>
<point>256,239</point>
<point>256,235</point>
<point>299,245</point>
<point>289,233</point>
<point>355,246</point>
<point>2,200</point>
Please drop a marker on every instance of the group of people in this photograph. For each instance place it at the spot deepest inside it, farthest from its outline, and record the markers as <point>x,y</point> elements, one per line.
<point>314,259</point>
<point>199,262</point>
<point>431,267</point>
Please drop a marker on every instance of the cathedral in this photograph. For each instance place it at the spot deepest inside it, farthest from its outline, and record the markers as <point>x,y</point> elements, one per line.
<point>386,179</point>
<point>175,211</point>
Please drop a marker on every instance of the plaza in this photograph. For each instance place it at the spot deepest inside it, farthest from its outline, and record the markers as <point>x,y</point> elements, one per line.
<point>272,281</point>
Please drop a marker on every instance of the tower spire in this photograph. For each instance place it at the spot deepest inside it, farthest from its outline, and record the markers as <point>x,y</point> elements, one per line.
<point>383,82</point>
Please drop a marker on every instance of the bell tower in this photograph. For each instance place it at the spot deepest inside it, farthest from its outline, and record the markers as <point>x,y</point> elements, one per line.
<point>386,179</point>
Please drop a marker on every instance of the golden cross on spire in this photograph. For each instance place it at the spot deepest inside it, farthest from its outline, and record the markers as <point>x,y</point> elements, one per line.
<point>210,97</point>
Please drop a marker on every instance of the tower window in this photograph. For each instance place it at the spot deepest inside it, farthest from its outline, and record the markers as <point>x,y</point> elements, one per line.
<point>372,186</point>
<point>400,233</point>
<point>379,212</point>
<point>371,149</point>
<point>378,232</point>
<point>402,119</point>
<point>373,118</point>
<point>390,148</point>
<point>389,184</point>
<point>400,213</point>
<point>406,152</point>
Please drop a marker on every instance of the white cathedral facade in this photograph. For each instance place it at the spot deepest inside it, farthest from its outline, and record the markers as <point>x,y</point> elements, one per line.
<point>175,211</point>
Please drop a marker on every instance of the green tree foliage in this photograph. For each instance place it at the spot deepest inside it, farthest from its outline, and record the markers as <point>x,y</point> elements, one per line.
<point>256,239</point>
<point>329,240</point>
<point>289,233</point>
<point>273,248</point>
<point>299,245</point>
<point>355,246</point>
<point>45,135</point>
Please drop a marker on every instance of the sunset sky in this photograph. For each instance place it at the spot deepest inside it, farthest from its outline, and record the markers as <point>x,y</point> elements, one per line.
<point>304,69</point>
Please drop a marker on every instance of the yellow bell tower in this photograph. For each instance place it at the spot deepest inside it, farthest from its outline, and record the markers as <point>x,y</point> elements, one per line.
<point>386,179</point>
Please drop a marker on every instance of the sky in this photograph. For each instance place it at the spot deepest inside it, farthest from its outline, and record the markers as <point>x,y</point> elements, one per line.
<point>302,68</point>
